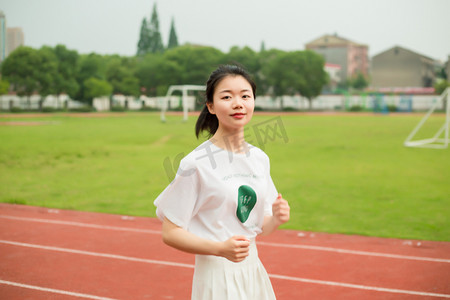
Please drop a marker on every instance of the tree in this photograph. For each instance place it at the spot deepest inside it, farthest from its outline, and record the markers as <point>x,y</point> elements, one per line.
<point>150,40</point>
<point>4,87</point>
<point>47,72</point>
<point>29,70</point>
<point>144,39</point>
<point>156,74</point>
<point>155,42</point>
<point>196,62</point>
<point>297,71</point>
<point>20,69</point>
<point>359,82</point>
<point>130,86</point>
<point>120,74</point>
<point>173,39</point>
<point>263,47</point>
<point>96,88</point>
<point>89,66</point>
<point>441,85</point>
<point>264,80</point>
<point>310,74</point>
<point>245,57</point>
<point>275,76</point>
<point>65,80</point>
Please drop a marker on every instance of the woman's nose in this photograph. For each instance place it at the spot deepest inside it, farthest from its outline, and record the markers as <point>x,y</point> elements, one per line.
<point>237,102</point>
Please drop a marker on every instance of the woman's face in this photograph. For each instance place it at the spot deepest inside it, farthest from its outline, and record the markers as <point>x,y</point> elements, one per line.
<point>233,102</point>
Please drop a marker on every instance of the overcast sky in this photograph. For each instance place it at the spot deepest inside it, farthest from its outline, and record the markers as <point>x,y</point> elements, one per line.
<point>112,26</point>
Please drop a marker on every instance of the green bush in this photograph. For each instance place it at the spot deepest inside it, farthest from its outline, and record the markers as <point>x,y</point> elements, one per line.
<point>178,108</point>
<point>392,108</point>
<point>288,109</point>
<point>47,109</point>
<point>82,109</point>
<point>118,109</point>
<point>15,109</point>
<point>146,108</point>
<point>356,108</point>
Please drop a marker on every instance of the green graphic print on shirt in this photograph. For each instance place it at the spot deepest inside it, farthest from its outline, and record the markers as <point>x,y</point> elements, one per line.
<point>246,202</point>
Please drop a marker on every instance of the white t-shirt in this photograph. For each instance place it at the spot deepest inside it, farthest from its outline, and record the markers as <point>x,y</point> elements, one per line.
<point>217,194</point>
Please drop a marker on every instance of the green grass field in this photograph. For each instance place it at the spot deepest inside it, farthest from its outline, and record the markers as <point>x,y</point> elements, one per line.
<point>340,173</point>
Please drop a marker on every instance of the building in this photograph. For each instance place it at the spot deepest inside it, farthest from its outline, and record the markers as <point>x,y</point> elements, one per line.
<point>398,67</point>
<point>14,39</point>
<point>334,75</point>
<point>352,57</point>
<point>10,38</point>
<point>2,36</point>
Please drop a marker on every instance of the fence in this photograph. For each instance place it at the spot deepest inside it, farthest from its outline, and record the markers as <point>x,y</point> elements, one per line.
<point>35,102</point>
<point>322,102</point>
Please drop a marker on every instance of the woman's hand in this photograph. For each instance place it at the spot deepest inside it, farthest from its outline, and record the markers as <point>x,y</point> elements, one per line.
<point>280,215</point>
<point>281,210</point>
<point>235,249</point>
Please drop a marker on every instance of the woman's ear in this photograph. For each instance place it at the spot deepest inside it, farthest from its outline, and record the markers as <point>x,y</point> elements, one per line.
<point>210,106</point>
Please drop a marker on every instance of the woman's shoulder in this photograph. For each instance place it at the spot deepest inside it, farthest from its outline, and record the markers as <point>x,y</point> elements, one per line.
<point>258,152</point>
<point>192,158</point>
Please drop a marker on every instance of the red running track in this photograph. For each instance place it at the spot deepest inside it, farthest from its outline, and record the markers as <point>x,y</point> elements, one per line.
<point>61,254</point>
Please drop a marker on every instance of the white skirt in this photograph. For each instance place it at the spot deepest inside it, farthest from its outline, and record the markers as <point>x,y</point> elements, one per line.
<point>217,278</point>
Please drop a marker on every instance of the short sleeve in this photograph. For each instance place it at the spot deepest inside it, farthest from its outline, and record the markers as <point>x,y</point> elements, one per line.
<point>178,199</point>
<point>271,192</point>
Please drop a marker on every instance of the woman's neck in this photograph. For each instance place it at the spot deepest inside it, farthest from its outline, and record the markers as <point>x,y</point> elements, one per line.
<point>232,141</point>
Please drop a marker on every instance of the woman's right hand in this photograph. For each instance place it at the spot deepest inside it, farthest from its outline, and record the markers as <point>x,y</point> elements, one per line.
<point>235,249</point>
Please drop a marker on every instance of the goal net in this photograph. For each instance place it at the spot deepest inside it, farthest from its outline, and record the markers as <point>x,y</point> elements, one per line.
<point>184,91</point>
<point>441,138</point>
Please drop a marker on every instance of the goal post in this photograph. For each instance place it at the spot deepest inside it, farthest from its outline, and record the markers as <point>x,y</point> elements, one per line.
<point>184,92</point>
<point>436,141</point>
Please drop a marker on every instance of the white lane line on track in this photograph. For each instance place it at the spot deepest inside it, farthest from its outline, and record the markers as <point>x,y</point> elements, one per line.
<point>358,286</point>
<point>105,255</point>
<point>307,247</point>
<point>356,252</point>
<point>55,291</point>
<point>190,266</point>
<point>79,224</point>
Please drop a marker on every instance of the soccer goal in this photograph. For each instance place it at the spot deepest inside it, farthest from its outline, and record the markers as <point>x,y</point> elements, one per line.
<point>184,91</point>
<point>437,141</point>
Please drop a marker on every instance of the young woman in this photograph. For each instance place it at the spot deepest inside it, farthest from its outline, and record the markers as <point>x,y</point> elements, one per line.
<point>223,197</point>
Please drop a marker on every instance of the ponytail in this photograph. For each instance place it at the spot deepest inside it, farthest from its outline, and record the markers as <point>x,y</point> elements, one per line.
<point>206,121</point>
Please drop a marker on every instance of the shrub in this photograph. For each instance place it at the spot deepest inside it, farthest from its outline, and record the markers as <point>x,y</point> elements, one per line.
<point>392,108</point>
<point>147,108</point>
<point>47,109</point>
<point>118,109</point>
<point>15,109</point>
<point>288,109</point>
<point>82,109</point>
<point>356,108</point>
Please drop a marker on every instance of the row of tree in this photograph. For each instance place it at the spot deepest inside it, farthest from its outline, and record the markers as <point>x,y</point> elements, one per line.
<point>60,70</point>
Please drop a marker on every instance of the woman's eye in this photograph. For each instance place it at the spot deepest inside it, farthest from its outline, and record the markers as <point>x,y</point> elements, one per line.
<point>246,97</point>
<point>226,97</point>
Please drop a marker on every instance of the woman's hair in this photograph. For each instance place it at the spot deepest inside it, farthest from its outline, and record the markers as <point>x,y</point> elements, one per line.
<point>207,121</point>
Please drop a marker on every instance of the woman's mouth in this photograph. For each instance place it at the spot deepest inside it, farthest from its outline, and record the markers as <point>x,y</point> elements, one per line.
<point>238,115</point>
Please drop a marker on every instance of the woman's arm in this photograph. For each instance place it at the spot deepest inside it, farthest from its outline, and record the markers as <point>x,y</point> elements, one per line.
<point>281,214</point>
<point>234,249</point>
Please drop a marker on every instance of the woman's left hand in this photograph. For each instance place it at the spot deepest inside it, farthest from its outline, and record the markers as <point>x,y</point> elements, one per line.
<point>281,210</point>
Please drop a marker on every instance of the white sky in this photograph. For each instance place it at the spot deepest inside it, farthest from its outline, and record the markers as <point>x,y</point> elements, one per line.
<point>112,26</point>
